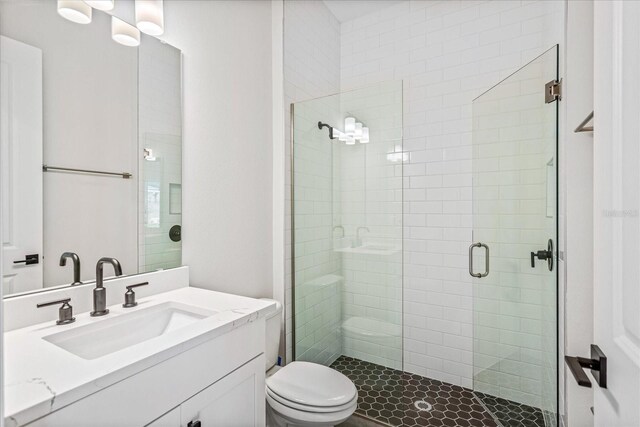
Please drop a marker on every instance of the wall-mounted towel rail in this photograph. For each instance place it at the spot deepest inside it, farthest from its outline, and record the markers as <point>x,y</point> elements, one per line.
<point>582,127</point>
<point>124,175</point>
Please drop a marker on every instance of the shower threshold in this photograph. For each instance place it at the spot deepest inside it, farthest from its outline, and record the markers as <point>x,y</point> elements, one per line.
<point>395,398</point>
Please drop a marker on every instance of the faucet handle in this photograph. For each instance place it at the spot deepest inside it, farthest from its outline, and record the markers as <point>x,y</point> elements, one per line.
<point>130,295</point>
<point>65,313</point>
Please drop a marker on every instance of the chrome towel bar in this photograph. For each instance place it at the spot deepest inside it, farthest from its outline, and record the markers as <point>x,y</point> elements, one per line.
<point>124,175</point>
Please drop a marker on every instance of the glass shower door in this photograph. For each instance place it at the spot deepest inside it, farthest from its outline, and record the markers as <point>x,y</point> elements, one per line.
<point>513,257</point>
<point>347,242</point>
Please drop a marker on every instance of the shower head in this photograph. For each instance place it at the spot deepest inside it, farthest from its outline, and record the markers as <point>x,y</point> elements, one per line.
<point>322,125</point>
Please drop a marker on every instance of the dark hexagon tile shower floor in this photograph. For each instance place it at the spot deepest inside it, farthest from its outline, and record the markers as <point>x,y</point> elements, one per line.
<point>389,395</point>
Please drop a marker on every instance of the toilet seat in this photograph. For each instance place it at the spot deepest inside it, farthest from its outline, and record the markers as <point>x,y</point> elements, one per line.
<point>306,408</point>
<point>297,417</point>
<point>306,393</point>
<point>312,385</point>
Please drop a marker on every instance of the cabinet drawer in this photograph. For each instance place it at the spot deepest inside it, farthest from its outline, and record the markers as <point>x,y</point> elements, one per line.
<point>237,400</point>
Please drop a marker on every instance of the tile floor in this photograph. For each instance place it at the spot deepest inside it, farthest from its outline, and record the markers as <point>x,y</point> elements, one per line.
<point>510,413</point>
<point>395,398</point>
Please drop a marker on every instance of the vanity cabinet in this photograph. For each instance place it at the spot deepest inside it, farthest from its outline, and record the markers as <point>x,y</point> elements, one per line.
<point>235,400</point>
<point>170,419</point>
<point>219,382</point>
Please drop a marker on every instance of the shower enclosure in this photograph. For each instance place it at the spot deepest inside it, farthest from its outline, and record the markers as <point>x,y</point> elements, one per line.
<point>348,248</point>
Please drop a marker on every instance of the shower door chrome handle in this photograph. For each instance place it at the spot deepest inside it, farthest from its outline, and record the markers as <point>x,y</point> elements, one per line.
<point>486,261</point>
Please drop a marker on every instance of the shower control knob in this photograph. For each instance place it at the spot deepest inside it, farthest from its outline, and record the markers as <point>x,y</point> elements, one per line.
<point>175,233</point>
<point>544,255</point>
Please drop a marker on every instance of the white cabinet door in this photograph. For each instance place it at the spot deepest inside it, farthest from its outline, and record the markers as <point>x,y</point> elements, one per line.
<point>20,164</point>
<point>236,400</point>
<point>616,213</point>
<point>170,419</point>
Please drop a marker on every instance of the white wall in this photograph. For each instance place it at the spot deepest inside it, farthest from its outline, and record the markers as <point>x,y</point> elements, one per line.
<point>578,200</point>
<point>447,53</point>
<point>227,149</point>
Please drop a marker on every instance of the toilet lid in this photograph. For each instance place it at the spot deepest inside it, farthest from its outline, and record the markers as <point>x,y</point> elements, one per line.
<point>312,385</point>
<point>306,408</point>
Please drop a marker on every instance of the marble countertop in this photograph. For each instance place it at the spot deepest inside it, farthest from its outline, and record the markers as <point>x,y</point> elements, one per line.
<point>41,377</point>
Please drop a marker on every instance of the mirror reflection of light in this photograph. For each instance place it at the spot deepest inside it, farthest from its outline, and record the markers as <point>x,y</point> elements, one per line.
<point>350,126</point>
<point>150,17</point>
<point>75,11</point>
<point>100,4</point>
<point>124,33</point>
<point>365,135</point>
<point>358,132</point>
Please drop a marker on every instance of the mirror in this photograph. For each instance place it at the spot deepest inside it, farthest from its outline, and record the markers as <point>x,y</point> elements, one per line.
<point>91,149</point>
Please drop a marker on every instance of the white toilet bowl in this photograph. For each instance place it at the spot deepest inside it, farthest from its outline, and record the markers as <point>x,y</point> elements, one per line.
<point>303,393</point>
<point>308,394</point>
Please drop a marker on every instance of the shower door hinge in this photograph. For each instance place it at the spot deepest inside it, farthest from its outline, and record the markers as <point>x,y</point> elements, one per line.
<point>553,91</point>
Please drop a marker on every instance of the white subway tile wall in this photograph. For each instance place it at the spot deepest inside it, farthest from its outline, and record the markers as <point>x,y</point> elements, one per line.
<point>446,53</point>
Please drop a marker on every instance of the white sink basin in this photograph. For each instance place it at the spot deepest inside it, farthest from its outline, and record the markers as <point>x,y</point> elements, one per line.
<point>113,334</point>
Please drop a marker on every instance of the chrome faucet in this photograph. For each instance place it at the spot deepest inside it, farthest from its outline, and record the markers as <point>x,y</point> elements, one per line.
<point>358,241</point>
<point>76,265</point>
<point>99,292</point>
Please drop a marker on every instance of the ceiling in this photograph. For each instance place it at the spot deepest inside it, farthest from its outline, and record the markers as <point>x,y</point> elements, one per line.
<point>346,10</point>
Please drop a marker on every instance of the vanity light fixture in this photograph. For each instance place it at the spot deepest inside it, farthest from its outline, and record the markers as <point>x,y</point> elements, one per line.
<point>101,4</point>
<point>124,33</point>
<point>75,11</point>
<point>150,17</point>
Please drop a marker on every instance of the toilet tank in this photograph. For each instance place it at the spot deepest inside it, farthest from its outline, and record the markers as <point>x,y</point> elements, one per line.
<point>272,338</point>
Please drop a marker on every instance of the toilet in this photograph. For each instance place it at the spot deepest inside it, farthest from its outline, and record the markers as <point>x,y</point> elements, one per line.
<point>303,393</point>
